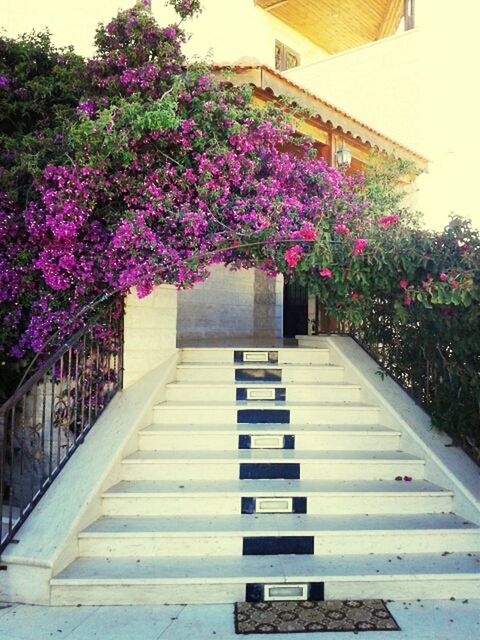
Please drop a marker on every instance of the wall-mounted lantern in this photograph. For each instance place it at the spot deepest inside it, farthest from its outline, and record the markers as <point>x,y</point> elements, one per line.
<point>343,156</point>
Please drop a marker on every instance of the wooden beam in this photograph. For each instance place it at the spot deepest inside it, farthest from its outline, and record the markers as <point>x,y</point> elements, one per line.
<point>259,102</point>
<point>392,19</point>
<point>275,5</point>
<point>332,149</point>
<point>316,133</point>
<point>269,4</point>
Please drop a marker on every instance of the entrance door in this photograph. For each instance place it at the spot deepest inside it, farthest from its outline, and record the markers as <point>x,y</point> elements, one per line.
<point>295,309</point>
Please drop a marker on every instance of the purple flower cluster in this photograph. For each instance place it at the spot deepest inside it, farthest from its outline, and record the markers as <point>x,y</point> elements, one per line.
<point>6,83</point>
<point>88,107</point>
<point>186,8</point>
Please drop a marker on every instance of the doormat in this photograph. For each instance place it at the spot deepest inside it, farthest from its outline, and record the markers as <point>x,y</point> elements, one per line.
<point>314,617</point>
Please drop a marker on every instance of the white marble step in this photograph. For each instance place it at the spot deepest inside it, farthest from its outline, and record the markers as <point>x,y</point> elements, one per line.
<point>185,498</point>
<point>223,535</point>
<point>174,580</point>
<point>227,391</point>
<point>286,355</point>
<point>223,372</point>
<point>300,412</point>
<point>225,465</point>
<point>224,437</point>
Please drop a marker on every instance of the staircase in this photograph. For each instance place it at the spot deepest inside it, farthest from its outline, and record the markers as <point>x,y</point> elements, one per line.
<point>265,476</point>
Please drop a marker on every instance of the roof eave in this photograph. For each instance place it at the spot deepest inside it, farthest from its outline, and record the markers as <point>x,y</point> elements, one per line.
<point>268,80</point>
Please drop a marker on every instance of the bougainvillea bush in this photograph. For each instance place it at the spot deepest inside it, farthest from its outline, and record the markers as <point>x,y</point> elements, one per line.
<point>431,345</point>
<point>137,168</point>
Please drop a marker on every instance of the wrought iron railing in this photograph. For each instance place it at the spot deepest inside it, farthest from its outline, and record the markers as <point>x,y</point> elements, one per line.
<point>47,418</point>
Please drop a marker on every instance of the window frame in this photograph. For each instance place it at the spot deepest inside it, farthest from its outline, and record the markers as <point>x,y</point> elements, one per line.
<point>285,51</point>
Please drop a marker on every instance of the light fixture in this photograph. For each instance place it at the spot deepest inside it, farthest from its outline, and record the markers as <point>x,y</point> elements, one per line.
<point>343,156</point>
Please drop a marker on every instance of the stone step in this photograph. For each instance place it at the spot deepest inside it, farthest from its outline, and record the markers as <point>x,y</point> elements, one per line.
<point>291,355</point>
<point>174,580</point>
<point>306,437</point>
<point>230,392</point>
<point>223,372</point>
<point>224,535</point>
<point>308,465</point>
<point>151,498</point>
<point>293,412</point>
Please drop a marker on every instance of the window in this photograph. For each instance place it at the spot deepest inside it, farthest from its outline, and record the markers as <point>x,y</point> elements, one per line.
<point>285,58</point>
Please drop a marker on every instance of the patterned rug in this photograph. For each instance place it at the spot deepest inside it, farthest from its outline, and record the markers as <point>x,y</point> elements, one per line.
<point>304,617</point>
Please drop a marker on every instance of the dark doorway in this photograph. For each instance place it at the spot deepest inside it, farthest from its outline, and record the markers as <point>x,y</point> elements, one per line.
<point>295,309</point>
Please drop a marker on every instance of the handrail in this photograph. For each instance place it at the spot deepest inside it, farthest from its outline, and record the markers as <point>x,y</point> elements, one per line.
<point>87,307</point>
<point>26,386</point>
<point>46,419</point>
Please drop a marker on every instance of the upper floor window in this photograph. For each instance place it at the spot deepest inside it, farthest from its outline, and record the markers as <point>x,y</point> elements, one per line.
<point>285,58</point>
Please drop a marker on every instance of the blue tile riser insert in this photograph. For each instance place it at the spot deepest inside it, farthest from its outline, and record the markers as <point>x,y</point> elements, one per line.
<point>244,442</point>
<point>299,505</point>
<point>258,375</point>
<point>255,592</point>
<point>262,416</point>
<point>272,545</point>
<point>269,471</point>
<point>280,394</point>
<point>238,356</point>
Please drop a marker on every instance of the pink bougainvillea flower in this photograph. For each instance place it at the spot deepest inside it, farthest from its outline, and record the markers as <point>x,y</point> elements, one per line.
<point>359,246</point>
<point>307,232</point>
<point>293,256</point>
<point>355,296</point>
<point>263,222</point>
<point>455,284</point>
<point>442,277</point>
<point>325,272</point>
<point>386,221</point>
<point>403,284</point>
<point>341,228</point>
<point>408,300</point>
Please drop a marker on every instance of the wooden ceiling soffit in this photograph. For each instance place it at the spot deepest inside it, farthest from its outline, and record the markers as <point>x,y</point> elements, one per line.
<point>336,120</point>
<point>336,25</point>
<point>392,19</point>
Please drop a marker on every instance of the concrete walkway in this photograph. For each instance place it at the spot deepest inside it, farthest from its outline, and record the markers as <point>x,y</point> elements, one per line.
<point>419,620</point>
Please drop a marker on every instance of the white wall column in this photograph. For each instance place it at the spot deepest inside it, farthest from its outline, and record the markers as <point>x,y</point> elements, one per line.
<point>150,331</point>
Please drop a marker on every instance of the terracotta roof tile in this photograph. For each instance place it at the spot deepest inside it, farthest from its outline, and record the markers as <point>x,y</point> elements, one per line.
<point>339,119</point>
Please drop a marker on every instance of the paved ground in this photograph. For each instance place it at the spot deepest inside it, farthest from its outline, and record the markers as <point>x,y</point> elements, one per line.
<point>425,620</point>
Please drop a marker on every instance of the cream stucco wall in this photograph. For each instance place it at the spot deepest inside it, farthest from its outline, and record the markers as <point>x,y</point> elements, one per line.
<point>233,30</point>
<point>69,21</point>
<point>418,88</point>
<point>370,83</point>
<point>226,31</point>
